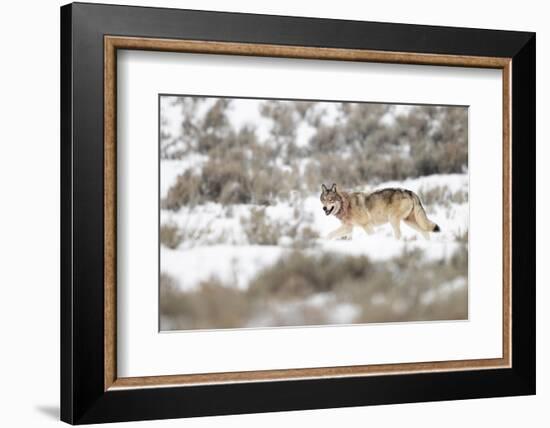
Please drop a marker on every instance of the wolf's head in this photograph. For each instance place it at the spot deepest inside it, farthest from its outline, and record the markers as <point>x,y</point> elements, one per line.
<point>331,200</point>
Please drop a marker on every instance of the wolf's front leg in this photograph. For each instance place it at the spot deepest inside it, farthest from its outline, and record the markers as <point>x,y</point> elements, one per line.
<point>342,231</point>
<point>396,229</point>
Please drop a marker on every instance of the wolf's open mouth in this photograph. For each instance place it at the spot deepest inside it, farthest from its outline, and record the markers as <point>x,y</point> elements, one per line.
<point>328,212</point>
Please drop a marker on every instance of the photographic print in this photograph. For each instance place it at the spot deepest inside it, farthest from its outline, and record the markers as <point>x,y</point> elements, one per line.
<point>281,212</point>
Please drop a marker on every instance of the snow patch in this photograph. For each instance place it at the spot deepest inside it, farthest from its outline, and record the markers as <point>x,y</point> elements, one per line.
<point>234,265</point>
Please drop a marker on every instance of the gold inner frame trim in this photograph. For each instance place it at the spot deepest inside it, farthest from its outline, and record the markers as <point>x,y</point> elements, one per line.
<point>113,43</point>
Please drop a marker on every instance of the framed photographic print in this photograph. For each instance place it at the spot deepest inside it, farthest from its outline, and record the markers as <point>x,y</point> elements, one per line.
<point>265,213</point>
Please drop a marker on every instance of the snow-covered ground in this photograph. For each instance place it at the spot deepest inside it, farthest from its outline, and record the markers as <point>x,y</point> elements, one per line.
<point>235,265</point>
<point>216,244</point>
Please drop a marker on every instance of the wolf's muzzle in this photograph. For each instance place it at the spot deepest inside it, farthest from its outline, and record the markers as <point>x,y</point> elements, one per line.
<point>327,211</point>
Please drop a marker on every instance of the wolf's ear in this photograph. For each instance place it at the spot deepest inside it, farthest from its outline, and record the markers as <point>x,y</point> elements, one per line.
<point>333,188</point>
<point>324,188</point>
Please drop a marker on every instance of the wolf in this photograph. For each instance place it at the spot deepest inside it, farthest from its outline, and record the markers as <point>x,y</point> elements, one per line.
<point>366,210</point>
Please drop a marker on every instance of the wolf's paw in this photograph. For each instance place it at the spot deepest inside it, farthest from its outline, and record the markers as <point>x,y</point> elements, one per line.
<point>345,238</point>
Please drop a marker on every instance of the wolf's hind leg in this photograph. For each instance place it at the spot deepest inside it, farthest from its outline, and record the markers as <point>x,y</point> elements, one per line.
<point>412,223</point>
<point>368,228</point>
<point>396,229</point>
<point>342,231</point>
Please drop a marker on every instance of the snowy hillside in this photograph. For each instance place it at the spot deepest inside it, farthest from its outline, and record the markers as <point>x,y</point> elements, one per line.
<point>220,248</point>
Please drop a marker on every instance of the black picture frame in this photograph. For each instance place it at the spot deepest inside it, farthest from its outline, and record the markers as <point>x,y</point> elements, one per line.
<point>83,398</point>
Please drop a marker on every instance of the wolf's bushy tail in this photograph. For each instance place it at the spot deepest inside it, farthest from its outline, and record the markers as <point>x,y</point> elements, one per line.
<point>422,219</point>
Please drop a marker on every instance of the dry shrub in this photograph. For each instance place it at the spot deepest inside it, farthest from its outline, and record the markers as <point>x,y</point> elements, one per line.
<point>462,237</point>
<point>215,127</point>
<point>390,167</point>
<point>439,158</point>
<point>261,230</point>
<point>442,195</point>
<point>170,235</point>
<point>218,181</point>
<point>306,237</point>
<point>334,168</point>
<point>327,139</point>
<point>225,181</point>
<point>211,305</point>
<point>169,297</point>
<point>185,191</point>
<point>299,275</point>
<point>232,180</point>
<point>396,292</point>
<point>284,118</point>
<point>426,159</point>
<point>215,305</point>
<point>262,188</point>
<point>356,170</point>
<point>258,229</point>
